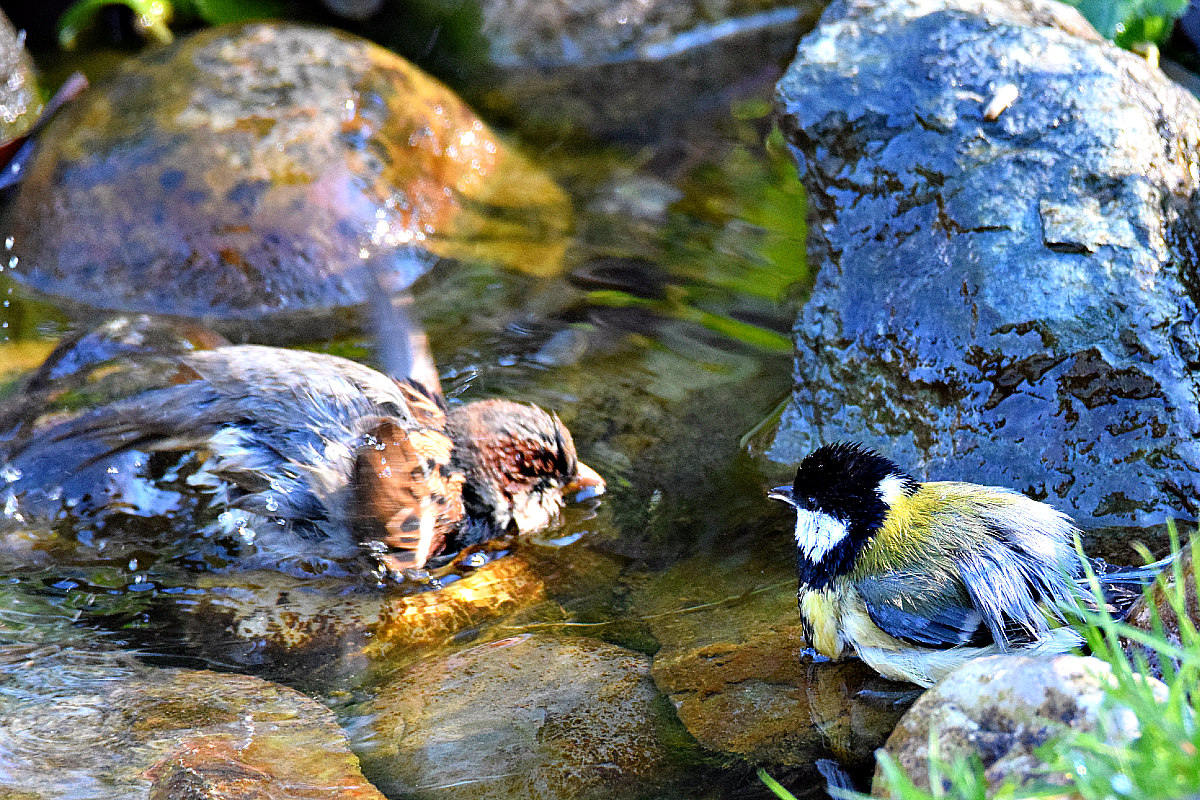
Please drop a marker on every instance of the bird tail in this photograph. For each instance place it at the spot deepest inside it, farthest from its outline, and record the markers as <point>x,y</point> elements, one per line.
<point>1123,586</point>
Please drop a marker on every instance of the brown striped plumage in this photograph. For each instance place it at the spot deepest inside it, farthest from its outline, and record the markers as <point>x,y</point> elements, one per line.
<point>310,453</point>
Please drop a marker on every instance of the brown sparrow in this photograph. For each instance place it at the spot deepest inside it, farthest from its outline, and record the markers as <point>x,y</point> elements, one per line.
<point>300,448</point>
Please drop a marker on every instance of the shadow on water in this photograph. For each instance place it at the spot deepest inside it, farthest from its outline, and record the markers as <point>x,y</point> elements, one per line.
<point>663,346</point>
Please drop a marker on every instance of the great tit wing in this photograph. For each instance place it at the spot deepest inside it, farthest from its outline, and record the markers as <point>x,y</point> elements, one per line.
<point>1017,593</point>
<point>922,611</point>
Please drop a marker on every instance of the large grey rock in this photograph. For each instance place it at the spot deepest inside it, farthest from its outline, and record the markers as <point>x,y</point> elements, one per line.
<point>1008,300</point>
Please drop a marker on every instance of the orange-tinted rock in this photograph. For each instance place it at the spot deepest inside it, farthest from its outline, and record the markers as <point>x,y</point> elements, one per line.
<point>733,663</point>
<point>531,716</point>
<point>251,169</point>
<point>267,618</point>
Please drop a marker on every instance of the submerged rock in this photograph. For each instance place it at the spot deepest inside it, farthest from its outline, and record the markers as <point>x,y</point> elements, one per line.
<point>1002,708</point>
<point>632,67</point>
<point>19,100</point>
<point>1002,209</point>
<point>732,661</point>
<point>255,169</point>
<point>536,717</point>
<point>78,723</point>
<point>287,627</point>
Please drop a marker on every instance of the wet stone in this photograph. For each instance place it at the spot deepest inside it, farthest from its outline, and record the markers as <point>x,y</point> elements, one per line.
<point>1002,709</point>
<point>256,169</point>
<point>632,68</point>
<point>271,622</point>
<point>19,100</point>
<point>541,718</point>
<point>1007,290</point>
<point>80,723</point>
<point>733,662</point>
<point>1158,606</point>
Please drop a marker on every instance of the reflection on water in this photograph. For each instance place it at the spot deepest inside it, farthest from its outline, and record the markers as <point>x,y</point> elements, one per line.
<point>663,347</point>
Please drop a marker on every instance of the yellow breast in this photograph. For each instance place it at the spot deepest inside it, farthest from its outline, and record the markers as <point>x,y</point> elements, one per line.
<point>822,618</point>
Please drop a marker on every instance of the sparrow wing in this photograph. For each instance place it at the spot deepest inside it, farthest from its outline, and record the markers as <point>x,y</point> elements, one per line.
<point>923,611</point>
<point>294,416</point>
<point>409,493</point>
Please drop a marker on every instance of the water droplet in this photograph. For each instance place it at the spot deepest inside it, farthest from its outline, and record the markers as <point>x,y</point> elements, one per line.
<point>386,472</point>
<point>9,242</point>
<point>133,565</point>
<point>110,470</point>
<point>272,504</point>
<point>1121,784</point>
<point>11,509</point>
<point>12,262</point>
<point>10,474</point>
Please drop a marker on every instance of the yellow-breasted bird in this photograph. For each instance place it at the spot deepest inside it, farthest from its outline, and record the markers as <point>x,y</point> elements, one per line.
<point>916,578</point>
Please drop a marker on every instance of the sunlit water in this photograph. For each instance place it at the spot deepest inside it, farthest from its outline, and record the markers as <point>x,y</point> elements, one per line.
<point>664,347</point>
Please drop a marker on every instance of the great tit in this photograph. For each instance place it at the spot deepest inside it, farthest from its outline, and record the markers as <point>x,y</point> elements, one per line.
<point>917,578</point>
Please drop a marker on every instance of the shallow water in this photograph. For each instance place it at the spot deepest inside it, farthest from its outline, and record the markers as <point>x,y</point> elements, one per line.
<point>664,346</point>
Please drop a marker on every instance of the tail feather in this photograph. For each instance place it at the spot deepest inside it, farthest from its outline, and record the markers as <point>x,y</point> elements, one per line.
<point>1124,586</point>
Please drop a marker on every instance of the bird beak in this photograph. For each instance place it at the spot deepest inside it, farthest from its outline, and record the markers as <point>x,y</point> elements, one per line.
<point>586,484</point>
<point>784,494</point>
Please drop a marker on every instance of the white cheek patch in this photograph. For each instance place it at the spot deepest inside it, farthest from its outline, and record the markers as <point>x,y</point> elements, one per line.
<point>891,490</point>
<point>817,533</point>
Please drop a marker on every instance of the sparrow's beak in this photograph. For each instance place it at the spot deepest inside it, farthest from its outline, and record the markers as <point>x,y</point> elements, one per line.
<point>784,494</point>
<point>586,484</point>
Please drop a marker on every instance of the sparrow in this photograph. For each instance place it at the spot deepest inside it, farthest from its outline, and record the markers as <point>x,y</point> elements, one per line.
<point>303,451</point>
<point>917,578</point>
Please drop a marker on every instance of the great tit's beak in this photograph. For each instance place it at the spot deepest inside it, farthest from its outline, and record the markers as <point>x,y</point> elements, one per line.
<point>783,494</point>
<point>586,484</point>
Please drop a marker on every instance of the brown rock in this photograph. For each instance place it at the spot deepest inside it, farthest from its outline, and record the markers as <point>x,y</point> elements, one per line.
<point>542,718</point>
<point>76,723</point>
<point>733,663</point>
<point>252,169</point>
<point>1158,602</point>
<point>264,618</point>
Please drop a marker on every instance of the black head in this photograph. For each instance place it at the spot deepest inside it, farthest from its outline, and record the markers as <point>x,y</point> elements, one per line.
<point>841,494</point>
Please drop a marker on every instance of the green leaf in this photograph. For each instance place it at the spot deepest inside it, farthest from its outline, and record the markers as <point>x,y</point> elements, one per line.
<point>220,12</point>
<point>150,17</point>
<point>775,786</point>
